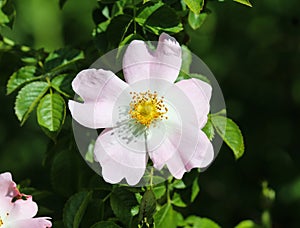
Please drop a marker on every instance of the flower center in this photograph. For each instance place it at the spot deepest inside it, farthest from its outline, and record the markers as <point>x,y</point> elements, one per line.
<point>147,107</point>
<point>1,222</point>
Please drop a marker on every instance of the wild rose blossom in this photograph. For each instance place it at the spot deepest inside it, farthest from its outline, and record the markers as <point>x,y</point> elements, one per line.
<point>17,210</point>
<point>147,116</point>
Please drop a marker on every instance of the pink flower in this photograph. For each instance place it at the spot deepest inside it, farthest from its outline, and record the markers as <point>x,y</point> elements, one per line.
<point>146,116</point>
<point>17,210</point>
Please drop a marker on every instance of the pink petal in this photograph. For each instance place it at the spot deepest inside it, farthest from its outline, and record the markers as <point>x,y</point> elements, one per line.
<point>22,209</point>
<point>181,153</point>
<point>199,93</point>
<point>7,186</point>
<point>141,63</point>
<point>31,223</point>
<point>117,160</point>
<point>100,90</point>
<point>201,158</point>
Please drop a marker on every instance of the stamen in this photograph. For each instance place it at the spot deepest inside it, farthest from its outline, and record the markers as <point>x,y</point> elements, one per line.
<point>146,107</point>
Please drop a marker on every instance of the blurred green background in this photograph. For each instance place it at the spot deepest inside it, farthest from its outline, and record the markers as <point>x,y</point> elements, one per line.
<point>253,53</point>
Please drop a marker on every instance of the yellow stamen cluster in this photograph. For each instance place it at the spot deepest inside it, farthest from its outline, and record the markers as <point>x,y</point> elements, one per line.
<point>1,222</point>
<point>147,107</point>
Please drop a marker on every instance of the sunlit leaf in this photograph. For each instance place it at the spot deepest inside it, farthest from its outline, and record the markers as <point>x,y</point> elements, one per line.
<point>51,112</point>
<point>28,97</point>
<point>20,77</point>
<point>195,221</point>
<point>245,2</point>
<point>62,84</point>
<point>166,217</point>
<point>195,5</point>
<point>230,133</point>
<point>75,209</point>
<point>209,130</point>
<point>247,224</point>
<point>196,20</point>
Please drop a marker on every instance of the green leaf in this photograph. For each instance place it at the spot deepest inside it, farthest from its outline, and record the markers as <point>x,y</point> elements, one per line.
<point>245,2</point>
<point>187,194</point>
<point>75,209</point>
<point>147,207</point>
<point>230,133</point>
<point>247,224</point>
<point>166,217</point>
<point>51,112</point>
<point>62,59</point>
<point>63,84</point>
<point>19,78</point>
<point>146,12</point>
<point>195,5</point>
<point>186,59</point>
<point>194,221</point>
<point>196,20</point>
<point>105,224</point>
<point>159,190</point>
<point>27,99</point>
<point>7,13</point>
<point>122,201</point>
<point>164,19</point>
<point>117,29</point>
<point>209,130</point>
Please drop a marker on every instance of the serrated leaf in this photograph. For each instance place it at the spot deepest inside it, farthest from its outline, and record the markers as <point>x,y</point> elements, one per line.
<point>122,201</point>
<point>75,209</point>
<point>209,130</point>
<point>166,217</point>
<point>195,221</point>
<point>147,207</point>
<point>194,5</point>
<point>28,97</point>
<point>19,78</point>
<point>230,133</point>
<point>62,84</point>
<point>196,20</point>
<point>51,112</point>
<point>105,224</point>
<point>245,2</point>
<point>247,224</point>
<point>62,59</point>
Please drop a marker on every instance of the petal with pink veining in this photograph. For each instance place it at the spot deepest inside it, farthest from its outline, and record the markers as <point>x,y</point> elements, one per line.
<point>199,93</point>
<point>141,63</point>
<point>117,160</point>
<point>7,186</point>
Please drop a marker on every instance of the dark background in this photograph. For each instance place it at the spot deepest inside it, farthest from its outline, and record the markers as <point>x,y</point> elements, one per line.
<point>254,54</point>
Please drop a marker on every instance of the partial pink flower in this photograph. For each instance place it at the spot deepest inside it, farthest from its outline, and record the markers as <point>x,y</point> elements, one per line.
<point>17,210</point>
<point>147,116</point>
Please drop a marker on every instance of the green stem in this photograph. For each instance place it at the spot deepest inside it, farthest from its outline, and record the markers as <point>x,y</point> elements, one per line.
<point>134,16</point>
